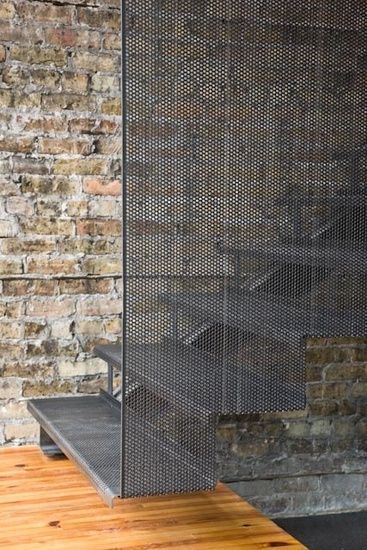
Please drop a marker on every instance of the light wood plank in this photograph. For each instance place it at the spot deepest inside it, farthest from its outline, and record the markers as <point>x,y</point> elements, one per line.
<point>47,503</point>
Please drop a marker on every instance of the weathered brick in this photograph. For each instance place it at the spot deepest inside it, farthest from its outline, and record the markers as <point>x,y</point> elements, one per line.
<point>11,310</point>
<point>26,431</point>
<point>104,208</point>
<point>47,125</point>
<point>68,102</point>
<point>33,329</point>
<point>10,388</point>
<point>6,98</point>
<point>56,266</point>
<point>11,267</point>
<point>99,18</point>
<point>92,385</point>
<point>98,227</point>
<point>88,326</point>
<point>8,228</point>
<point>62,329</point>
<point>91,245</point>
<point>13,410</point>
<point>15,287</point>
<point>77,208</point>
<point>73,82</point>
<point>323,407</point>
<point>2,54</point>
<point>48,207</point>
<point>23,165</point>
<point>113,326</point>
<point>46,78</point>
<point>8,188</point>
<point>20,206</point>
<point>68,369</point>
<point>7,10</point>
<point>26,369</point>
<point>16,144</point>
<point>29,100</point>
<point>326,355</point>
<point>73,38</point>
<point>105,83</point>
<point>345,372</point>
<point>111,106</point>
<point>45,12</point>
<point>109,146</point>
<point>95,62</point>
<point>37,55</point>
<point>10,32</point>
<point>99,305</point>
<point>86,286</point>
<point>29,286</point>
<point>50,308</point>
<point>82,167</point>
<point>52,347</point>
<point>359,389</point>
<point>102,266</point>
<point>112,41</point>
<point>41,389</point>
<point>58,146</point>
<point>99,186</point>
<point>59,185</point>
<point>337,390</point>
<point>93,126</point>
<point>11,329</point>
<point>45,226</point>
<point>14,75</point>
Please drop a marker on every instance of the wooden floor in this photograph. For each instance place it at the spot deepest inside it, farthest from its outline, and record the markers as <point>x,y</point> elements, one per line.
<point>46,503</point>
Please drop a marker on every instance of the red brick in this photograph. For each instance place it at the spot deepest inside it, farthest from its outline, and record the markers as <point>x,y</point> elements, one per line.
<point>73,38</point>
<point>95,186</point>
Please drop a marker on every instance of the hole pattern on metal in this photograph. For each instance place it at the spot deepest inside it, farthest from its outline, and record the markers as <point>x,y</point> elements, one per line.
<point>246,216</point>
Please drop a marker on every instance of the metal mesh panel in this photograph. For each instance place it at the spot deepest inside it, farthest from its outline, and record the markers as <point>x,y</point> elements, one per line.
<point>245,217</point>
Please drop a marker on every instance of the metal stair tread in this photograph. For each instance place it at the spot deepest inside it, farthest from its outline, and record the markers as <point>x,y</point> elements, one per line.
<point>337,258</point>
<point>88,430</point>
<point>201,383</point>
<point>278,319</point>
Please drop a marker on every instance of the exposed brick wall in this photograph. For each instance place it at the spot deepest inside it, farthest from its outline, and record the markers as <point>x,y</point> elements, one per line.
<point>59,200</point>
<point>312,461</point>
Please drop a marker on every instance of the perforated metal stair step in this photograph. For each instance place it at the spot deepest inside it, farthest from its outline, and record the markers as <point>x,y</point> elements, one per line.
<point>198,382</point>
<point>88,431</point>
<point>338,259</point>
<point>278,319</point>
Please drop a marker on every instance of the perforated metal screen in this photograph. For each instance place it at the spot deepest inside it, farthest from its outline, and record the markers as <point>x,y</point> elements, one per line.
<point>245,216</point>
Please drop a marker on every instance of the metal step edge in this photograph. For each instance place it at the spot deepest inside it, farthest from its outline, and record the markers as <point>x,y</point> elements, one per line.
<point>103,490</point>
